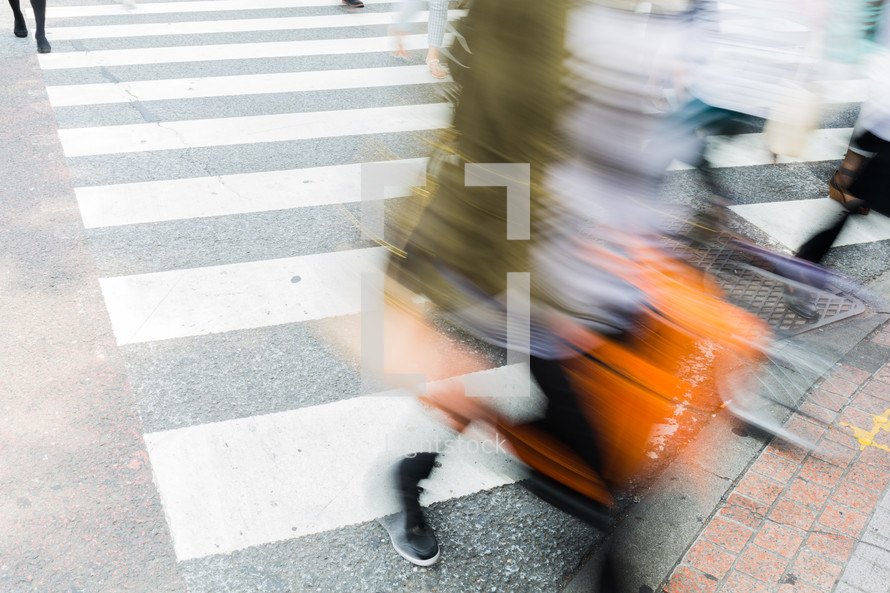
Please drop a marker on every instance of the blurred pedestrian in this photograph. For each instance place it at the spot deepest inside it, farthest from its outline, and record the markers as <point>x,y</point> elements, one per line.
<point>862,182</point>
<point>572,107</point>
<point>20,29</point>
<point>438,19</point>
<point>354,3</point>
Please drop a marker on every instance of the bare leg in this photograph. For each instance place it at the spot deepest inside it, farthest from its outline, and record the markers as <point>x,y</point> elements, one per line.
<point>20,29</point>
<point>438,18</point>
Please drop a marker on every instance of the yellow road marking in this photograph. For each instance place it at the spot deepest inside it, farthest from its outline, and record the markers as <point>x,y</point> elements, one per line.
<point>866,437</point>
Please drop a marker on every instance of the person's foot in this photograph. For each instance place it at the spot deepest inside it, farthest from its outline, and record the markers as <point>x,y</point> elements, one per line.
<point>354,3</point>
<point>43,46</point>
<point>801,302</point>
<point>20,29</point>
<point>408,531</point>
<point>837,191</point>
<point>437,69</point>
<point>415,543</point>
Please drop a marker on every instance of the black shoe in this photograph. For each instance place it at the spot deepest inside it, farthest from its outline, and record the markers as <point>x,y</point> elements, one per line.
<point>408,531</point>
<point>43,46</point>
<point>802,303</point>
<point>20,29</point>
<point>354,3</point>
<point>417,543</point>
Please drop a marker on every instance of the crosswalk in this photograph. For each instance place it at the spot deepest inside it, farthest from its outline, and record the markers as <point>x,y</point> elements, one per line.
<point>213,146</point>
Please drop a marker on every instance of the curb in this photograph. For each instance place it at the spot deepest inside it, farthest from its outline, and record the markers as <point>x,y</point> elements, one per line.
<point>654,535</point>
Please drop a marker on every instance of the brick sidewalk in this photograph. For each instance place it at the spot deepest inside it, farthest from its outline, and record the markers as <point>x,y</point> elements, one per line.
<point>793,522</point>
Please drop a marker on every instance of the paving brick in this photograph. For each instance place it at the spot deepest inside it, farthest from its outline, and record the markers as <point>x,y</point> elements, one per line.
<point>866,575</point>
<point>850,373</point>
<point>842,587</point>
<point>840,434</point>
<point>870,404</point>
<point>781,539</point>
<point>879,388</point>
<point>881,338</point>
<point>843,519</point>
<point>774,467</point>
<point>836,453</point>
<point>818,412</point>
<point>856,496</point>
<point>689,580</point>
<point>869,476</point>
<point>828,400</point>
<point>881,440</point>
<point>791,513</point>
<point>709,559</point>
<point>883,374</point>
<point>878,528</point>
<point>728,534</point>
<point>839,386</point>
<point>762,564</point>
<point>807,493</point>
<point>759,488</point>
<point>797,587</point>
<point>739,582</point>
<point>744,510</point>
<point>858,418</point>
<point>831,545</point>
<point>816,570</point>
<point>876,457</point>
<point>786,451</point>
<point>875,555</point>
<point>804,428</point>
<point>820,472</point>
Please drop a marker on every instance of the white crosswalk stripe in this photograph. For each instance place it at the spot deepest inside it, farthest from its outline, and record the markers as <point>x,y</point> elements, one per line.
<point>228,86</point>
<point>233,26</point>
<point>180,303</point>
<point>174,199</point>
<point>186,7</point>
<point>231,51</point>
<point>251,129</point>
<point>310,466</point>
<point>252,479</point>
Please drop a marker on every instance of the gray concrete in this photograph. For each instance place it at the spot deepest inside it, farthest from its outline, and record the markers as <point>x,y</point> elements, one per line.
<point>868,570</point>
<point>78,508</point>
<point>499,540</point>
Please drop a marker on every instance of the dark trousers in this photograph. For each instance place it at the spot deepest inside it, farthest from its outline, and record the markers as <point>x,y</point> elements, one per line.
<point>872,184</point>
<point>564,418</point>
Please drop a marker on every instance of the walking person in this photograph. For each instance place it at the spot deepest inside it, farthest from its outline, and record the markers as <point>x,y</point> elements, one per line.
<point>438,19</point>
<point>583,142</point>
<point>20,29</point>
<point>862,182</point>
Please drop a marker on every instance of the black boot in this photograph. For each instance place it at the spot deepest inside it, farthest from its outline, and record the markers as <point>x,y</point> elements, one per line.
<point>43,45</point>
<point>410,535</point>
<point>20,28</point>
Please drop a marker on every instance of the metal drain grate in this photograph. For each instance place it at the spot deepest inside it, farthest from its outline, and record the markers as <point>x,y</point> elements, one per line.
<point>751,284</point>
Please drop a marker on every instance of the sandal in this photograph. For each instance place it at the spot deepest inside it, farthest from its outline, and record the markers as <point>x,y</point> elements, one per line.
<point>437,69</point>
<point>840,195</point>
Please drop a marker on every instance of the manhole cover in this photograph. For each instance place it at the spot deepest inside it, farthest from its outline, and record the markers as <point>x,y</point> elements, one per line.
<point>752,284</point>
